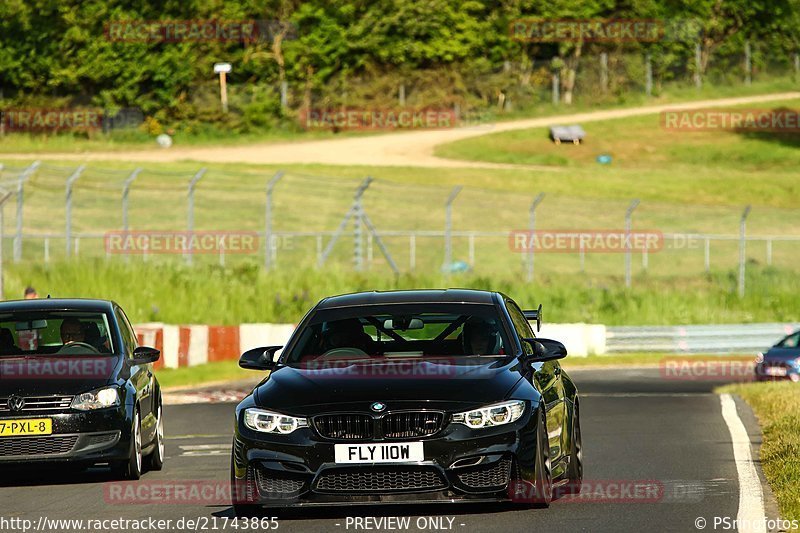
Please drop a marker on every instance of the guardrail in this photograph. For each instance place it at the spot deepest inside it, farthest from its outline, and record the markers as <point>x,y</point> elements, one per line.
<point>721,339</point>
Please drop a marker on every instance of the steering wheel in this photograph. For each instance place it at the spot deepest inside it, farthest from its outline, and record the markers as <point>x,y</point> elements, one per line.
<point>344,352</point>
<point>76,347</point>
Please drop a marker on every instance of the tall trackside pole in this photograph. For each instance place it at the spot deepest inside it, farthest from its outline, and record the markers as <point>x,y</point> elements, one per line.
<point>448,228</point>
<point>628,215</point>
<point>742,243</point>
<point>268,252</point>
<point>126,188</point>
<point>190,214</point>
<point>532,229</point>
<point>68,230</point>
<point>20,199</point>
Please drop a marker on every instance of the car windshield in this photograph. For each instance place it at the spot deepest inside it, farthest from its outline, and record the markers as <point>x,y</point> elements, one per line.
<point>401,331</point>
<point>60,333</point>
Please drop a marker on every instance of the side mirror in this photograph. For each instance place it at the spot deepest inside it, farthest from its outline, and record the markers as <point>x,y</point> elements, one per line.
<point>546,349</point>
<point>143,355</point>
<point>259,358</point>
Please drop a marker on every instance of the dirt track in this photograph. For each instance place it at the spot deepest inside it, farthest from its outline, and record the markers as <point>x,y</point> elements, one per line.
<point>392,149</point>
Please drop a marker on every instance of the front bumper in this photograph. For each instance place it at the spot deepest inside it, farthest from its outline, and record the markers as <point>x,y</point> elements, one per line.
<point>777,371</point>
<point>460,464</point>
<point>85,437</point>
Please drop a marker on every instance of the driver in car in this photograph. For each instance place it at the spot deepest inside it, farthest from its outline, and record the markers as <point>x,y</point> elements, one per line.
<point>72,331</point>
<point>481,337</point>
<point>348,333</point>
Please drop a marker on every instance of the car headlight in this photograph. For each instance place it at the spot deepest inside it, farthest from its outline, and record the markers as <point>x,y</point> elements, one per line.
<point>759,358</point>
<point>269,422</point>
<point>96,399</point>
<point>491,415</point>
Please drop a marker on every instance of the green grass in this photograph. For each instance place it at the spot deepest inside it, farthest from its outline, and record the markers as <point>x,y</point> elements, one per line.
<point>212,135</point>
<point>209,294</point>
<point>220,371</point>
<point>777,406</point>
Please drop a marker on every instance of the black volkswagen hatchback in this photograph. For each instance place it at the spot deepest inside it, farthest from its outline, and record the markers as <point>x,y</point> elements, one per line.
<point>417,396</point>
<point>75,388</point>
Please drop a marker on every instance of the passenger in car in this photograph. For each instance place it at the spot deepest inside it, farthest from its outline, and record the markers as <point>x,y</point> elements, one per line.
<point>7,345</point>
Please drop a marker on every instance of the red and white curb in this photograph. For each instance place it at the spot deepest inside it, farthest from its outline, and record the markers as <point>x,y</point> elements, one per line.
<point>192,345</point>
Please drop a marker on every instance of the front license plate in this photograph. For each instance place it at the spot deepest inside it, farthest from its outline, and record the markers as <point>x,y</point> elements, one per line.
<point>775,371</point>
<point>402,452</point>
<point>16,428</point>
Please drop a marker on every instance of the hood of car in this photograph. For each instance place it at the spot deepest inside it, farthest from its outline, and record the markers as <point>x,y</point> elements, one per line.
<point>447,382</point>
<point>782,354</point>
<point>40,375</point>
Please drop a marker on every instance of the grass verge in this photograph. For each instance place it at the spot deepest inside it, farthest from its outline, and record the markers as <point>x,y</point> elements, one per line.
<point>209,294</point>
<point>777,406</point>
<point>220,371</point>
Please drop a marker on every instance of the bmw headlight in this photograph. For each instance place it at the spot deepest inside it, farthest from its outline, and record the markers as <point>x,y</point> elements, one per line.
<point>96,399</point>
<point>491,415</point>
<point>269,422</point>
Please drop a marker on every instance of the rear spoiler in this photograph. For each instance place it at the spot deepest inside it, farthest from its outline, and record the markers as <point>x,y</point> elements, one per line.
<point>535,314</point>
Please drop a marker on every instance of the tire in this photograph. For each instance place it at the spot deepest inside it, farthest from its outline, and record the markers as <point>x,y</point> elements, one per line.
<point>241,494</point>
<point>575,469</point>
<point>544,476</point>
<point>156,459</point>
<point>131,468</point>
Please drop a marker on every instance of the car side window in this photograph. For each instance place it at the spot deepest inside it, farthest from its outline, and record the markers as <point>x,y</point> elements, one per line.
<point>126,330</point>
<point>521,325</point>
<point>791,341</point>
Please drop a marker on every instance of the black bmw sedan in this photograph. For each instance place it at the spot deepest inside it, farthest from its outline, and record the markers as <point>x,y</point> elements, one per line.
<point>408,396</point>
<point>76,389</point>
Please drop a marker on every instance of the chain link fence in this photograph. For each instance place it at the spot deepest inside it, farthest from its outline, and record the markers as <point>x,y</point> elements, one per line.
<point>367,223</point>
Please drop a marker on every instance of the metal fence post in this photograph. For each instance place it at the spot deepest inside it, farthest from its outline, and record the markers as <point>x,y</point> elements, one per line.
<point>448,227</point>
<point>532,229</point>
<point>604,72</point>
<point>628,215</point>
<point>352,212</point>
<point>707,255</point>
<point>412,252</point>
<point>748,68</point>
<point>268,259</point>
<point>190,215</point>
<point>20,190</point>
<point>648,75</point>
<point>126,187</point>
<point>742,242</point>
<point>358,226</point>
<point>769,252</point>
<point>4,196</point>
<point>68,229</point>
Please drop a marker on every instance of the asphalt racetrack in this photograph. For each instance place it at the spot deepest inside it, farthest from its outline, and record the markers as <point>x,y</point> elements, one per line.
<point>658,456</point>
